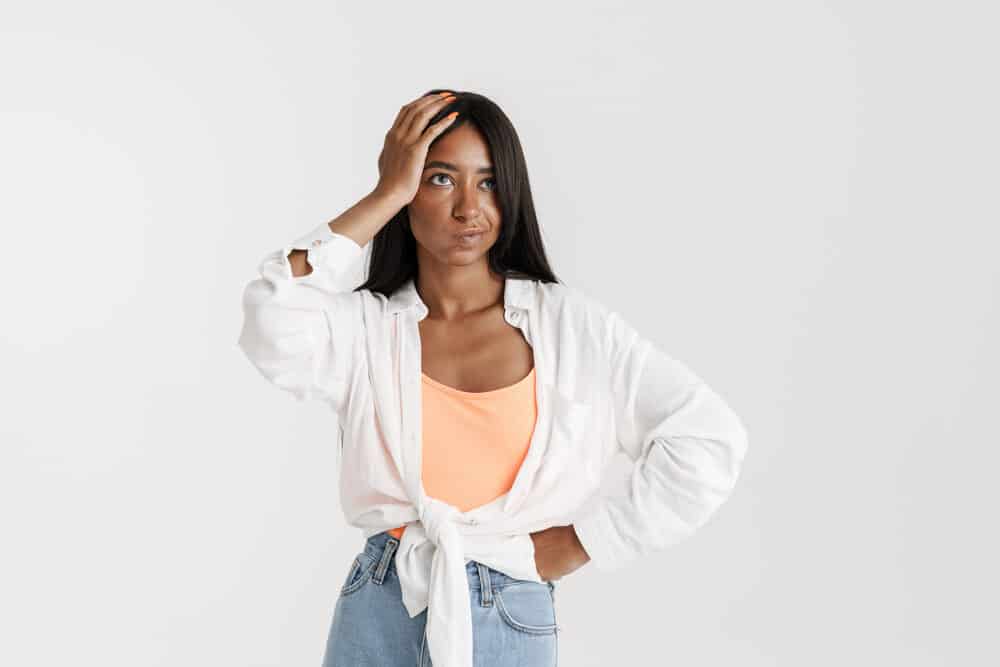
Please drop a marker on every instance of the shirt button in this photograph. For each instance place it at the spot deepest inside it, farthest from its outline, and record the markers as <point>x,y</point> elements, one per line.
<point>317,242</point>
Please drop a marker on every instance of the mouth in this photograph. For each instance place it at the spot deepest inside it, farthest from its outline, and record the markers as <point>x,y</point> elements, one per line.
<point>470,238</point>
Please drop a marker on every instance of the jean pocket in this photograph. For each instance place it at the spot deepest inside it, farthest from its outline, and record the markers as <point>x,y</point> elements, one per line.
<point>359,573</point>
<point>527,606</point>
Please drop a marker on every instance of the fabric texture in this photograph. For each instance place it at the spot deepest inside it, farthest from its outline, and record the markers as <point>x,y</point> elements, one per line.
<point>513,621</point>
<point>474,441</point>
<point>601,389</point>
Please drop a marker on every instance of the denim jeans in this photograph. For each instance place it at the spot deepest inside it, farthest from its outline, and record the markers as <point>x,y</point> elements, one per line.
<point>513,620</point>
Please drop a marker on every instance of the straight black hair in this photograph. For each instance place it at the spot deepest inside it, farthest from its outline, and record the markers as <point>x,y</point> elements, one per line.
<point>518,251</point>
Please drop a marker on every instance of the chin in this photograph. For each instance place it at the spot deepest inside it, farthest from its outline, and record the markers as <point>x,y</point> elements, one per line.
<point>465,258</point>
<point>457,255</point>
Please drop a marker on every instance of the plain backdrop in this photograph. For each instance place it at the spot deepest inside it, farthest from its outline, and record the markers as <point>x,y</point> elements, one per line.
<point>797,198</point>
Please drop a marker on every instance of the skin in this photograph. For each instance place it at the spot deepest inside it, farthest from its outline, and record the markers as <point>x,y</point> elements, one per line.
<point>466,342</point>
<point>454,280</point>
<point>465,339</point>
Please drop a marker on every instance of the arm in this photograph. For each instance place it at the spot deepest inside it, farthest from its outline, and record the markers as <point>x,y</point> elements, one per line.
<point>687,446</point>
<point>301,316</point>
<point>300,319</point>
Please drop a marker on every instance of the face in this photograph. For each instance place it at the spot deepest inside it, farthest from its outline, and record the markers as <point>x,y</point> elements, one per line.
<point>457,195</point>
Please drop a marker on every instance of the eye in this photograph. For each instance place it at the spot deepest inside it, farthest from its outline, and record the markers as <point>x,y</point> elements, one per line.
<point>492,187</point>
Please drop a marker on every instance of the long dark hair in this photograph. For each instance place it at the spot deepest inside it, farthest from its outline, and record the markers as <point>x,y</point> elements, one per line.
<point>518,251</point>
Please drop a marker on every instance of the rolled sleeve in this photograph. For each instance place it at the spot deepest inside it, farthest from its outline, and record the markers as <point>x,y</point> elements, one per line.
<point>687,448</point>
<point>300,331</point>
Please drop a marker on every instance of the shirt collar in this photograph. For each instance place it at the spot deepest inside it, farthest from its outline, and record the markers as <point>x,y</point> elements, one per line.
<point>517,294</point>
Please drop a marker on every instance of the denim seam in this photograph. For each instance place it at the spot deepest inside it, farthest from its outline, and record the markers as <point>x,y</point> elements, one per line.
<point>523,627</point>
<point>362,572</point>
<point>383,565</point>
<point>486,588</point>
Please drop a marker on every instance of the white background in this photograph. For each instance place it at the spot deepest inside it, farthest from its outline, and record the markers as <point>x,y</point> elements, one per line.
<point>805,193</point>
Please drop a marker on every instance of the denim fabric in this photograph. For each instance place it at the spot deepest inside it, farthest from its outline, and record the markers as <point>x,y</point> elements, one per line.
<point>513,620</point>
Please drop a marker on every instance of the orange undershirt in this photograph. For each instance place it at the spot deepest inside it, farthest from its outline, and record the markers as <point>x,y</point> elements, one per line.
<point>474,442</point>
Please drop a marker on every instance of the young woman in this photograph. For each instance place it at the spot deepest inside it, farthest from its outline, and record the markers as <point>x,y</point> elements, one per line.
<point>479,401</point>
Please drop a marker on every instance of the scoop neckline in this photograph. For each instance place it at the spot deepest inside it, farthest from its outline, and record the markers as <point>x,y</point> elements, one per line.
<point>476,394</point>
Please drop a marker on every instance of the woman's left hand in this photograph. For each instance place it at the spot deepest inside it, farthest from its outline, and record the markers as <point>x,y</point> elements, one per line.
<point>558,552</point>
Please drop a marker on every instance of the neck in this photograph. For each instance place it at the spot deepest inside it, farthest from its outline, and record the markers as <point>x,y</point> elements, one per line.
<point>458,292</point>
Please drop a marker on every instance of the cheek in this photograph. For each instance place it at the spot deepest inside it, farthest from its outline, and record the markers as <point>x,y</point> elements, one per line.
<point>424,208</point>
<point>428,195</point>
<point>418,204</point>
<point>427,208</point>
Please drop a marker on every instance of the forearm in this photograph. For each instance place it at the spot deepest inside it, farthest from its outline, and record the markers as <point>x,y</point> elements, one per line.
<point>361,222</point>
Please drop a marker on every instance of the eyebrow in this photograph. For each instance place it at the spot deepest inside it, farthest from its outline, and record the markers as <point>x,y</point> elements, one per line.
<point>451,167</point>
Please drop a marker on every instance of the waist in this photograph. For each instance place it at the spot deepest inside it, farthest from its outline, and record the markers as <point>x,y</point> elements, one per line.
<point>376,545</point>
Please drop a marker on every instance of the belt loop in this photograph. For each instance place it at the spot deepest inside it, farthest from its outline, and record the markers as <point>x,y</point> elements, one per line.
<point>484,585</point>
<point>378,576</point>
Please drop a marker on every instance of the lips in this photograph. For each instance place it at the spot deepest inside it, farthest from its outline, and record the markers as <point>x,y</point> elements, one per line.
<point>470,238</point>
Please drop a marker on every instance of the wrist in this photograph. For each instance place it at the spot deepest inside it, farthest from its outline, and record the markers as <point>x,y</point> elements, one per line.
<point>390,198</point>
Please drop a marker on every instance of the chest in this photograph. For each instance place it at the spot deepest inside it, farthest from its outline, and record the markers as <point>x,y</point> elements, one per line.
<point>480,353</point>
<point>383,411</point>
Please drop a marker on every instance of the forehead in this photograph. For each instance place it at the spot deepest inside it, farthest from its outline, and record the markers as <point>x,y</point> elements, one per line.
<point>464,146</point>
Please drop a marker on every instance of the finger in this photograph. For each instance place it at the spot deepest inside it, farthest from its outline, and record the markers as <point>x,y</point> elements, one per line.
<point>436,128</point>
<point>420,115</point>
<point>411,125</point>
<point>402,122</point>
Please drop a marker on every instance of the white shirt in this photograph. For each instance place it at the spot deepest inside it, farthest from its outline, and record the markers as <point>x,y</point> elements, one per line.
<point>600,387</point>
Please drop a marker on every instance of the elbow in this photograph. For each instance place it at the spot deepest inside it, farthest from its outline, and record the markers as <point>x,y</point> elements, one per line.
<point>739,443</point>
<point>731,450</point>
<point>704,469</point>
<point>258,332</point>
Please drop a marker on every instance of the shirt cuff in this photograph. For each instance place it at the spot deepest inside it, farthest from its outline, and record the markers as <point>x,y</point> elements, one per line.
<point>319,236</point>
<point>601,539</point>
<point>326,251</point>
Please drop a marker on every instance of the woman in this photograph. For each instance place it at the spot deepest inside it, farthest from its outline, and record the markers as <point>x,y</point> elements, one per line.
<point>479,401</point>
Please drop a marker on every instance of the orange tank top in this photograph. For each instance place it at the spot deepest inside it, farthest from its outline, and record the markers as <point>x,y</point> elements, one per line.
<point>474,442</point>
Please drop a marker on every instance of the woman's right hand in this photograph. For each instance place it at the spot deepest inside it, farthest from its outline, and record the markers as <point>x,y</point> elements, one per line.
<point>401,162</point>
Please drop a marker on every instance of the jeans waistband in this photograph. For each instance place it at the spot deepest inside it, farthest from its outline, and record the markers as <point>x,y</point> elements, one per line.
<point>382,547</point>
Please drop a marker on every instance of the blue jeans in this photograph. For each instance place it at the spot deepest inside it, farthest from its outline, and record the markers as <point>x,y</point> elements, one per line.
<point>513,620</point>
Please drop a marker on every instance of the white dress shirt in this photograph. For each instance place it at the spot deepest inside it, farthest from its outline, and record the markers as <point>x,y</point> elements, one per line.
<point>600,387</point>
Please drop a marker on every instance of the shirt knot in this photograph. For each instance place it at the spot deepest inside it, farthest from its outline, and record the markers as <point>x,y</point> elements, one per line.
<point>438,518</point>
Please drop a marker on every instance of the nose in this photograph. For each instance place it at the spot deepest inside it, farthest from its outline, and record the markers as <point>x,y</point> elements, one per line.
<point>467,205</point>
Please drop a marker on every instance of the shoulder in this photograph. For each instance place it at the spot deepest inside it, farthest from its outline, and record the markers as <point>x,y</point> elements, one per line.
<point>367,300</point>
<point>574,314</point>
<point>571,300</point>
<point>590,318</point>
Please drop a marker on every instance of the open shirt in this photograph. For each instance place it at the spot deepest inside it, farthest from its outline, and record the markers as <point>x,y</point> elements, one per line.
<point>601,388</point>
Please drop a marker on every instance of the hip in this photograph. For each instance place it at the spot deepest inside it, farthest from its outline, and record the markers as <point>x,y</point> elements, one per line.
<point>513,620</point>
